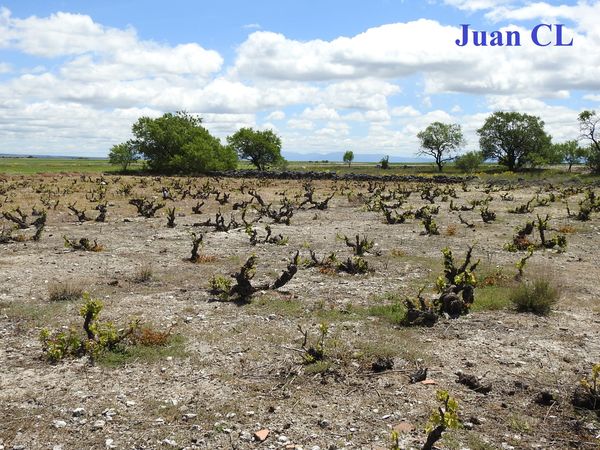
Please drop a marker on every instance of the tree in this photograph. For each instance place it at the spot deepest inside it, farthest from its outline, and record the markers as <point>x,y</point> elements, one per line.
<point>349,157</point>
<point>123,155</point>
<point>261,148</point>
<point>469,162</point>
<point>179,143</point>
<point>384,163</point>
<point>514,139</point>
<point>569,152</point>
<point>440,140</point>
<point>589,125</point>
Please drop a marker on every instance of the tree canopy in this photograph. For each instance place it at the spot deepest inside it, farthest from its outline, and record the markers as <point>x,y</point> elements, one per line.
<point>440,140</point>
<point>261,148</point>
<point>123,155</point>
<point>178,143</point>
<point>348,157</point>
<point>589,125</point>
<point>514,139</point>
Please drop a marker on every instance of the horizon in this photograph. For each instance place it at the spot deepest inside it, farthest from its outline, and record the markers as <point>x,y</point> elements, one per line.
<point>327,78</point>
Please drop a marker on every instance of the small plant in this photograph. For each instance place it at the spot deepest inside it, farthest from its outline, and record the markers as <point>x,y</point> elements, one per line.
<point>354,266</point>
<point>65,291</point>
<point>451,230</point>
<point>83,244</point>
<point>431,227</point>
<point>486,215</point>
<point>316,352</point>
<point>587,395</point>
<point>445,417</point>
<point>197,209</point>
<point>220,286</point>
<point>99,336</point>
<point>196,257</point>
<point>360,246</point>
<point>18,217</point>
<point>243,289</point>
<point>521,263</point>
<point>171,217</point>
<point>537,296</point>
<point>81,217</point>
<point>146,208</point>
<point>102,209</point>
<point>143,274</point>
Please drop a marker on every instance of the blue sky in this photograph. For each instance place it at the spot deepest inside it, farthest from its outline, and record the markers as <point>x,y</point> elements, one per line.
<point>326,76</point>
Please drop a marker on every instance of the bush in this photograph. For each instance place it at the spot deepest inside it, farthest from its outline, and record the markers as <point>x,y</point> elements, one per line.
<point>537,296</point>
<point>65,291</point>
<point>469,162</point>
<point>177,143</point>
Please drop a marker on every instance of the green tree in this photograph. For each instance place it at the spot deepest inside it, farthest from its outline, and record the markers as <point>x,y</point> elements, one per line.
<point>349,157</point>
<point>384,163</point>
<point>123,155</point>
<point>440,140</point>
<point>569,152</point>
<point>514,139</point>
<point>589,125</point>
<point>261,148</point>
<point>469,162</point>
<point>179,143</point>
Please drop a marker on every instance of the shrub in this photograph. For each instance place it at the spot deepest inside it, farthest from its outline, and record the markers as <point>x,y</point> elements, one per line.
<point>143,274</point>
<point>469,162</point>
<point>65,291</point>
<point>537,296</point>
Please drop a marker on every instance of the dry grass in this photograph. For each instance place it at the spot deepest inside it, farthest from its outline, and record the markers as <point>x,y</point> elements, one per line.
<point>64,291</point>
<point>451,230</point>
<point>144,274</point>
<point>567,229</point>
<point>150,337</point>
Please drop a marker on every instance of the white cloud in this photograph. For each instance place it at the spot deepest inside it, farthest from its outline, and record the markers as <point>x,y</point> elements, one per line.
<point>276,115</point>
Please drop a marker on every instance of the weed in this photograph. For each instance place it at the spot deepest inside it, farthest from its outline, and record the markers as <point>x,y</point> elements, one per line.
<point>143,274</point>
<point>587,395</point>
<point>537,296</point>
<point>171,217</point>
<point>83,244</point>
<point>64,291</point>
<point>450,230</point>
<point>446,416</point>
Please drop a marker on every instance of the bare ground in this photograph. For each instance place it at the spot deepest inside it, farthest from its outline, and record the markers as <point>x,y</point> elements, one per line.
<point>233,369</point>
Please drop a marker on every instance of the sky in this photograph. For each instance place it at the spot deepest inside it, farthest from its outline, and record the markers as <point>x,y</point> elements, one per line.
<point>326,76</point>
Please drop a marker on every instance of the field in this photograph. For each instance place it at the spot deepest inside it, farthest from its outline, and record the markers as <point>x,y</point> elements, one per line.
<point>323,361</point>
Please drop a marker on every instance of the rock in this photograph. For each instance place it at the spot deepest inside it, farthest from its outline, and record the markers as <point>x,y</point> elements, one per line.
<point>109,443</point>
<point>324,423</point>
<point>169,442</point>
<point>283,439</point>
<point>245,436</point>
<point>98,425</point>
<point>59,424</point>
<point>78,412</point>
<point>261,435</point>
<point>403,427</point>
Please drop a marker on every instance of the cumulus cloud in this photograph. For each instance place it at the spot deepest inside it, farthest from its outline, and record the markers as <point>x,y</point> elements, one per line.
<point>88,81</point>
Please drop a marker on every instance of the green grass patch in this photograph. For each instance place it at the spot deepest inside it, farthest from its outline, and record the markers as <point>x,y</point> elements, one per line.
<point>24,166</point>
<point>491,298</point>
<point>175,347</point>
<point>390,308</point>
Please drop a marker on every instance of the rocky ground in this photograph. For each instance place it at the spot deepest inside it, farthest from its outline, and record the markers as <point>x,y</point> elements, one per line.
<point>234,374</point>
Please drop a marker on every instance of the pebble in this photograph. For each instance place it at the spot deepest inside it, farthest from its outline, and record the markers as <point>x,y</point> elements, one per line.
<point>98,424</point>
<point>109,443</point>
<point>78,412</point>
<point>59,424</point>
